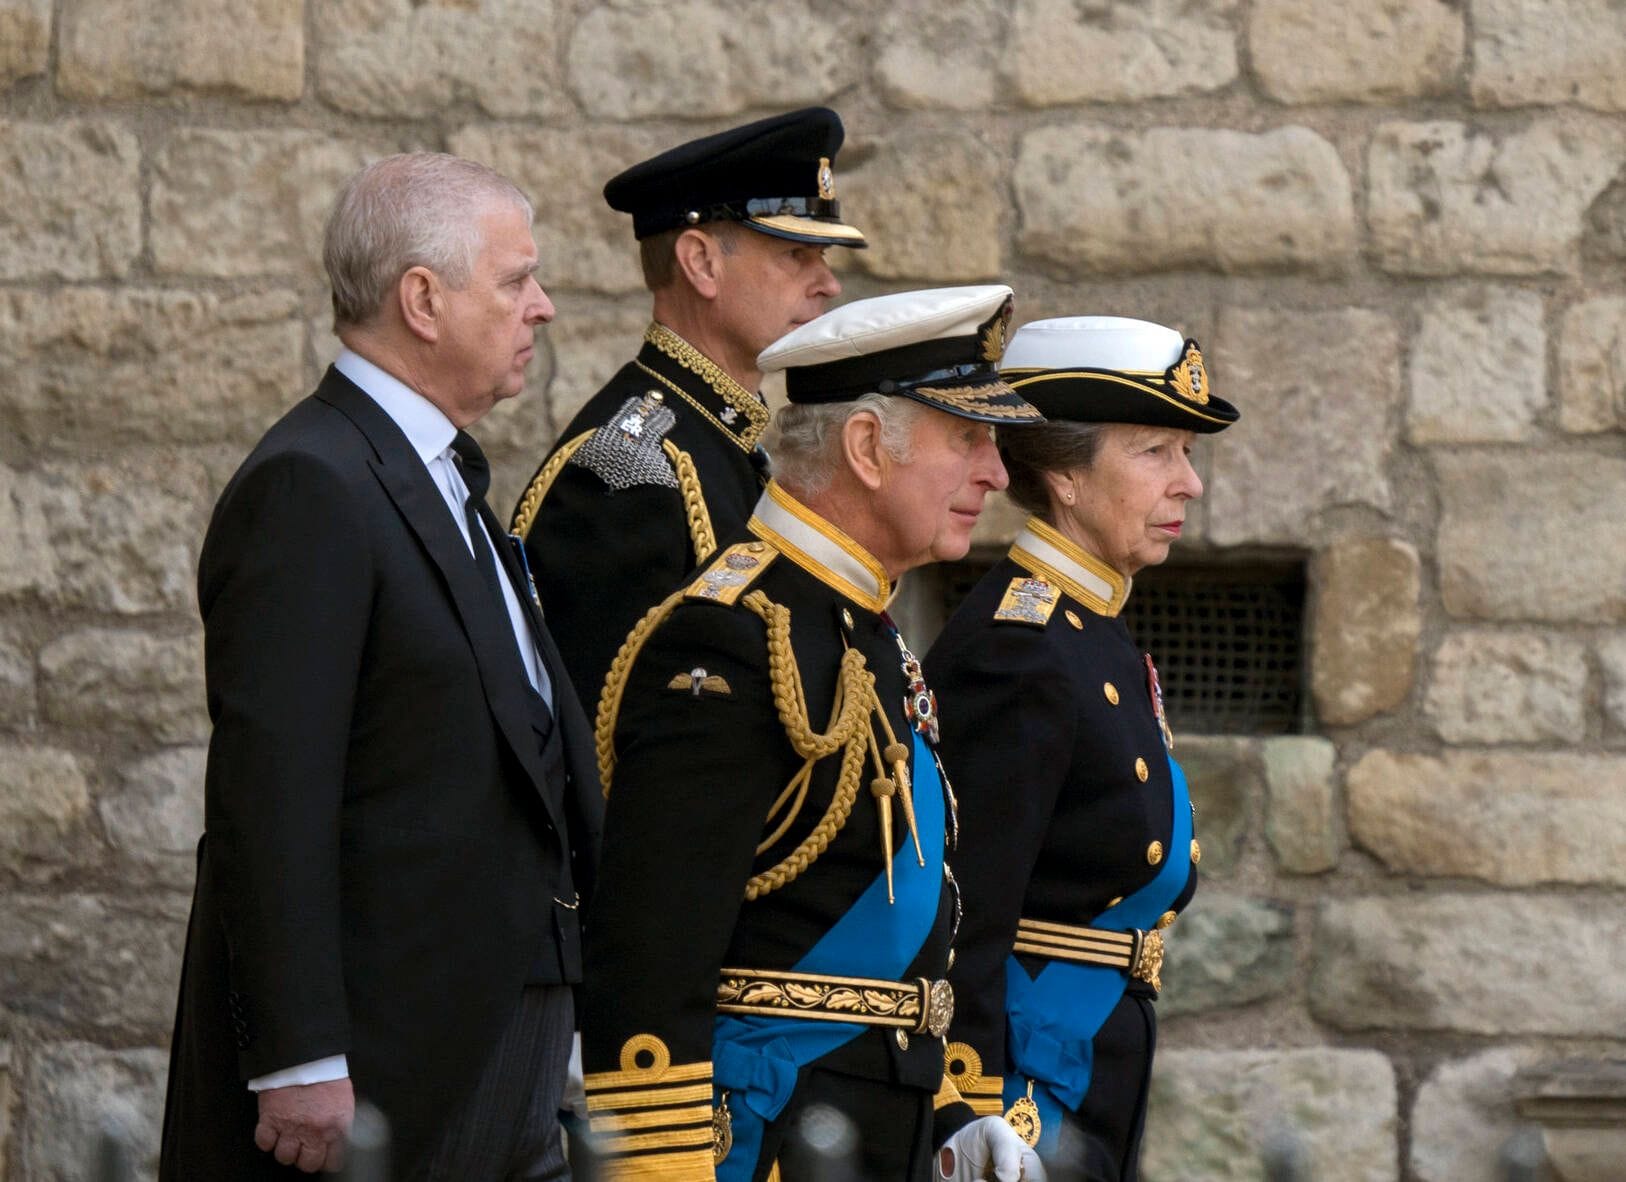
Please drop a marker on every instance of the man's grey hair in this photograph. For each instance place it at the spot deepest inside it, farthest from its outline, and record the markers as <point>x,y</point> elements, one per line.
<point>806,446</point>
<point>419,209</point>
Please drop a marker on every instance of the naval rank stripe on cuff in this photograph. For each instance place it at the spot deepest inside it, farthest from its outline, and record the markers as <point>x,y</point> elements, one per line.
<point>652,1118</point>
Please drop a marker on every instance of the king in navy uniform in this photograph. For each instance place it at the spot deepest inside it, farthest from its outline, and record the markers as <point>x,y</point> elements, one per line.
<point>1055,733</point>
<point>665,459</point>
<point>776,913</point>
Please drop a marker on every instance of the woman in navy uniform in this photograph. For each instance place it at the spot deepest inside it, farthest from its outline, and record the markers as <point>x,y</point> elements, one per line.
<point>1055,735</point>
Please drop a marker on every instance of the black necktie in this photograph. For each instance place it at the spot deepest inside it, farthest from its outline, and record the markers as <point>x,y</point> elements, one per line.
<point>477,476</point>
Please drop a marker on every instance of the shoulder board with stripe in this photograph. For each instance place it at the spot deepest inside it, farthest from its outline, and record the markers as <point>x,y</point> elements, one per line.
<point>1028,601</point>
<point>732,572</point>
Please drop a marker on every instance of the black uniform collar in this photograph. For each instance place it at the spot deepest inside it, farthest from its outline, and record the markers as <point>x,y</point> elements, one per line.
<point>820,548</point>
<point>735,411</point>
<point>1041,550</point>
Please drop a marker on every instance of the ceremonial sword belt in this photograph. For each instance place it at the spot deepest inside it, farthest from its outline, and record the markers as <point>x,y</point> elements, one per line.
<point>920,1006</point>
<point>1138,953</point>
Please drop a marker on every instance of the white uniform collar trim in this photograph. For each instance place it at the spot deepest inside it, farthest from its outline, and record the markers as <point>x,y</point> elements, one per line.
<point>1043,551</point>
<point>819,548</point>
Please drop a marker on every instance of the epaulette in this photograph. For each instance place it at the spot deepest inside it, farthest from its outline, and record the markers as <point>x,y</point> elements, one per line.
<point>627,450</point>
<point>1028,601</point>
<point>732,572</point>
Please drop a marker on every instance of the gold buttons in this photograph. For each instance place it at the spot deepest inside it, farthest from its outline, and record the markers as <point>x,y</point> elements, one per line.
<point>1072,618</point>
<point>755,547</point>
<point>1154,853</point>
<point>1111,691</point>
<point>1116,899</point>
<point>1196,852</point>
<point>901,1037</point>
<point>1141,770</point>
<point>1165,919</point>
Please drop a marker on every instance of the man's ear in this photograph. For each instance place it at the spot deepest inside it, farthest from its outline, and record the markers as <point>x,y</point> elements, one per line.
<point>418,295</point>
<point>699,258</point>
<point>863,450</point>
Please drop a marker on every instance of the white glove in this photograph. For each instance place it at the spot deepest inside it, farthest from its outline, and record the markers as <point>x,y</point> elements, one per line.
<point>574,1098</point>
<point>988,1148</point>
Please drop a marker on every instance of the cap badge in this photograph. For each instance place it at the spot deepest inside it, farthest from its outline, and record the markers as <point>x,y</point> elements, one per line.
<point>827,179</point>
<point>1189,378</point>
<point>994,335</point>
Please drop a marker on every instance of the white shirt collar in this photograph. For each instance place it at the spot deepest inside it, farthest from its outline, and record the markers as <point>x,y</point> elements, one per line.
<point>423,423</point>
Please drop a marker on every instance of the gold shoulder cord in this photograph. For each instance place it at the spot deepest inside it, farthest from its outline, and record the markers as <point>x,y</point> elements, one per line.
<point>525,511</point>
<point>694,504</point>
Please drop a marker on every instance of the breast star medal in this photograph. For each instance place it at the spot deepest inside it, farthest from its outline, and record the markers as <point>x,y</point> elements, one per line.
<point>1155,689</point>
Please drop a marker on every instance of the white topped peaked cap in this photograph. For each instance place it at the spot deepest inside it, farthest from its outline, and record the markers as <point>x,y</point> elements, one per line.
<point>940,347</point>
<point>1094,342</point>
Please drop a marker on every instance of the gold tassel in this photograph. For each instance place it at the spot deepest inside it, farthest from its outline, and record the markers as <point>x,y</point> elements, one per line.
<point>883,789</point>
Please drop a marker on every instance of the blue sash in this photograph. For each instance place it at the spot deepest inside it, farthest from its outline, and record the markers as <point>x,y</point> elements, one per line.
<point>757,1059</point>
<point>1052,1019</point>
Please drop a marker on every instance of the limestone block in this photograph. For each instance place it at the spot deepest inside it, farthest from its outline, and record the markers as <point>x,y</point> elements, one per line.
<point>1592,366</point>
<point>1446,198</point>
<point>80,1088</point>
<point>1527,535</point>
<point>998,526</point>
<point>1364,628</point>
<point>1478,369</point>
<point>589,347</point>
<point>1119,50</point>
<point>70,200</point>
<point>93,962</point>
<point>1321,51</point>
<point>946,225</point>
<point>638,59</point>
<point>16,674</point>
<point>1612,656</point>
<point>1464,1113</point>
<point>1306,443</point>
<point>25,47</point>
<point>1211,1111</point>
<point>234,203</point>
<point>158,809</point>
<point>1224,777</point>
<point>1570,54</point>
<point>940,56</point>
<point>104,680</point>
<point>582,242</point>
<point>43,796</point>
<point>126,49</point>
<point>1509,819</point>
<point>1299,808</point>
<point>1495,687</point>
<point>1225,951</point>
<point>96,367</point>
<point>7,1093</point>
<point>406,58</point>
<point>1094,199</point>
<point>1492,964</point>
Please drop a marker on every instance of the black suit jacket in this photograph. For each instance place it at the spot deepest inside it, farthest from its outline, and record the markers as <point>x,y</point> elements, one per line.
<point>385,858</point>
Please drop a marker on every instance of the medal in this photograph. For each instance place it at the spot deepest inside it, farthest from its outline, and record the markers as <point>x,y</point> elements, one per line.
<point>1155,689</point>
<point>919,703</point>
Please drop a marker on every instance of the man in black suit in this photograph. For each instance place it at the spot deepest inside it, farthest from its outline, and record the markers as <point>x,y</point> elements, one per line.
<point>402,812</point>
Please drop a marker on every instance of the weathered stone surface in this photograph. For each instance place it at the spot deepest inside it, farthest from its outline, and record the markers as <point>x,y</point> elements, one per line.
<point>633,59</point>
<point>1319,51</point>
<point>7,1093</point>
<point>1464,1114</point>
<point>1478,369</point>
<point>1224,775</point>
<point>1510,819</point>
<point>998,526</point>
<point>1491,964</point>
<point>1211,1112</point>
<point>1612,656</point>
<point>92,962</point>
<point>1274,472</point>
<point>946,225</point>
<point>1366,623</point>
<point>1570,54</point>
<point>409,59</point>
<point>43,795</point>
<point>25,41</point>
<point>1057,50</point>
<point>581,241</point>
<point>588,346</point>
<point>1225,951</point>
<point>1496,687</point>
<point>234,203</point>
<point>1445,198</point>
<point>1513,522</point>
<point>103,680</point>
<point>70,200</point>
<point>1096,199</point>
<point>1299,803</point>
<point>1592,366</point>
<point>940,56</point>
<point>79,1089</point>
<point>134,48</point>
<point>159,807</point>
<point>186,367</point>
<point>16,669</point>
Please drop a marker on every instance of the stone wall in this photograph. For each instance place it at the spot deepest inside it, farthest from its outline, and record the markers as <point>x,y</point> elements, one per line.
<point>1398,228</point>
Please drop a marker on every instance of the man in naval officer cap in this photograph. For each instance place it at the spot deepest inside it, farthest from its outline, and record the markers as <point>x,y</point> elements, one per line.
<point>775,916</point>
<point>664,460</point>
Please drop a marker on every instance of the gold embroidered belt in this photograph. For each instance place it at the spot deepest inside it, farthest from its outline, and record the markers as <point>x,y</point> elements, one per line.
<point>920,1006</point>
<point>1138,953</point>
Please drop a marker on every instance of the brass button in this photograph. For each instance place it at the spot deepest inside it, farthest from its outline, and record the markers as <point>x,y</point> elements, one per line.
<point>1154,853</point>
<point>1072,618</point>
<point>1196,852</point>
<point>1116,899</point>
<point>755,547</point>
<point>1165,920</point>
<point>901,1037</point>
<point>1111,691</point>
<point>1141,770</point>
